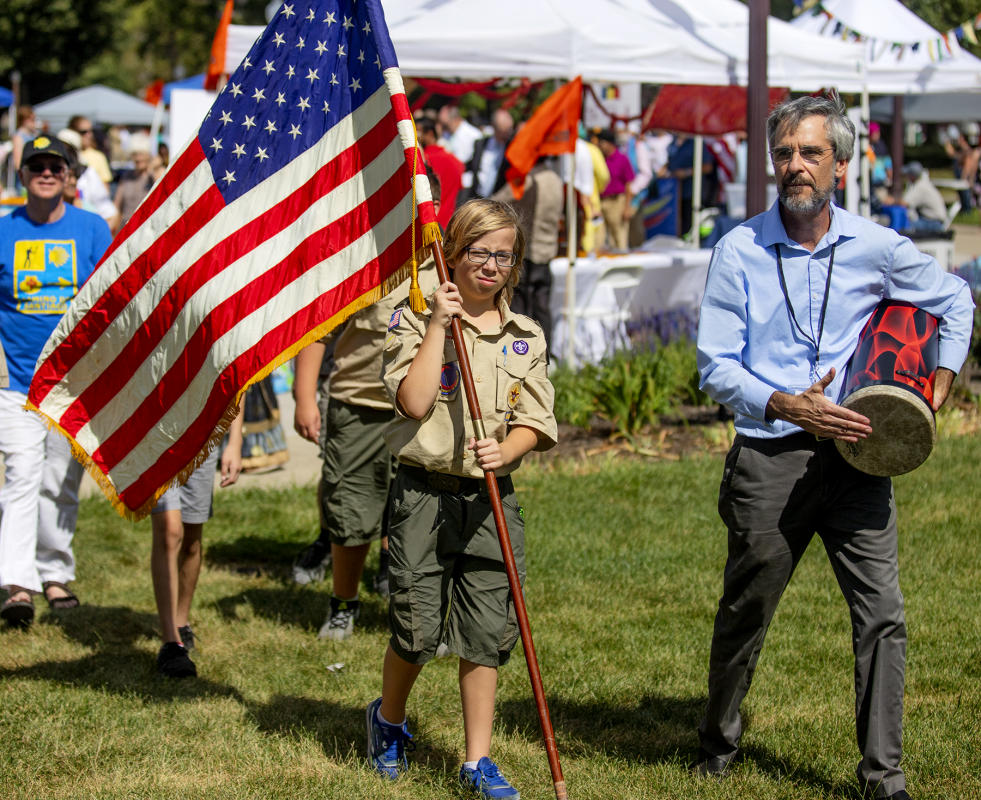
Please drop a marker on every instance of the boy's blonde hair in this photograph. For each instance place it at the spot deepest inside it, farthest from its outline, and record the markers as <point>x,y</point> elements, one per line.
<point>476,218</point>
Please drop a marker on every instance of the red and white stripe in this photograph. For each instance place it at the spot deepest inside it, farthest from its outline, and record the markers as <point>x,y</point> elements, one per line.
<point>195,298</point>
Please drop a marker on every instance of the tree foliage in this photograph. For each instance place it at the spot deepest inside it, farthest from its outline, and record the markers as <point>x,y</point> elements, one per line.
<point>50,42</point>
<point>59,45</point>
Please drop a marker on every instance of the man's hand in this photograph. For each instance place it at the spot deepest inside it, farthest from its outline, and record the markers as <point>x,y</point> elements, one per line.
<point>815,413</point>
<point>941,386</point>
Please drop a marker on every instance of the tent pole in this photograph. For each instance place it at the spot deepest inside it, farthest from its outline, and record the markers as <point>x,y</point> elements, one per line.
<point>157,124</point>
<point>572,234</point>
<point>696,192</point>
<point>896,146</point>
<point>865,202</point>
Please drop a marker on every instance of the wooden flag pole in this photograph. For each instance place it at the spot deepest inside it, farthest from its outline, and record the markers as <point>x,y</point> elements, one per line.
<point>494,493</point>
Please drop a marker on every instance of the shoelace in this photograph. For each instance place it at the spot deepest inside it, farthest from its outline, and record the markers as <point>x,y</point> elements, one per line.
<point>491,776</point>
<point>401,742</point>
<point>342,618</point>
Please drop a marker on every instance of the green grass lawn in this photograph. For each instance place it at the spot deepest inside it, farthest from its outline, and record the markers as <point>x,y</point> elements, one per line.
<point>624,571</point>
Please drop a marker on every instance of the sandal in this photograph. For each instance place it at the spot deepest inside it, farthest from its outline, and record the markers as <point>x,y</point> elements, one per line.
<point>18,613</point>
<point>69,600</point>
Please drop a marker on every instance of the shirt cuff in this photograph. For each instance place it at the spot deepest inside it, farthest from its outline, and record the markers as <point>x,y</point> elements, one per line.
<point>756,398</point>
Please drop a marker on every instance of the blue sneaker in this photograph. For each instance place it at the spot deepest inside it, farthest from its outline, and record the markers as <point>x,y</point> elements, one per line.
<point>387,743</point>
<point>487,781</point>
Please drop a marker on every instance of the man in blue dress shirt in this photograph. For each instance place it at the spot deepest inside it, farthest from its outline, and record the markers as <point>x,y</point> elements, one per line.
<point>787,295</point>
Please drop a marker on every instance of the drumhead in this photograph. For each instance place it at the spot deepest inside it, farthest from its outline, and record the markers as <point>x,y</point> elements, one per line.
<point>903,430</point>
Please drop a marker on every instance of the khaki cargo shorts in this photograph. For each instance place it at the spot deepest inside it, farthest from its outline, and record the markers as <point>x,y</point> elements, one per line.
<point>356,475</point>
<point>446,572</point>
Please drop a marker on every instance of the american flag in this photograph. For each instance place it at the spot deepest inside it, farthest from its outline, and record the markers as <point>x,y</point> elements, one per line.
<point>291,208</point>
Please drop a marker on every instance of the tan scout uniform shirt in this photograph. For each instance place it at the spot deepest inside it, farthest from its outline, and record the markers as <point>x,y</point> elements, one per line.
<point>356,378</point>
<point>510,372</point>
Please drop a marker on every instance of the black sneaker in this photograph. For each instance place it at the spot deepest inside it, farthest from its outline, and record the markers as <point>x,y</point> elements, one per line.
<point>312,563</point>
<point>187,636</point>
<point>340,621</point>
<point>174,662</point>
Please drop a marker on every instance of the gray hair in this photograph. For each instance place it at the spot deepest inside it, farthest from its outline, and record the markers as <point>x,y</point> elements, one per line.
<point>840,129</point>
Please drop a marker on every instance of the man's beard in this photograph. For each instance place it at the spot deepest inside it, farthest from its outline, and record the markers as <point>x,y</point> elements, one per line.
<point>801,204</point>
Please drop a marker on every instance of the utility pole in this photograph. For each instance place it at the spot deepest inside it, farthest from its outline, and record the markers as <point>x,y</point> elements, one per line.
<point>757,102</point>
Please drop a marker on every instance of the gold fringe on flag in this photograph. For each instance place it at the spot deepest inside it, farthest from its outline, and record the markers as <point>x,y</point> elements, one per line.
<point>430,233</point>
<point>416,301</point>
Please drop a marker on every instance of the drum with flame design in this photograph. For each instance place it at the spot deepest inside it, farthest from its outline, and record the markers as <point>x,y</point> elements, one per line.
<point>890,380</point>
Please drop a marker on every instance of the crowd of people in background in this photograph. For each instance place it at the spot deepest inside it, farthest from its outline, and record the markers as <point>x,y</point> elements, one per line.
<point>924,209</point>
<point>615,174</point>
<point>112,170</point>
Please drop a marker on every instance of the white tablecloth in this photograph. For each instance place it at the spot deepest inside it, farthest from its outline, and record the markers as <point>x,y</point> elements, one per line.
<point>671,279</point>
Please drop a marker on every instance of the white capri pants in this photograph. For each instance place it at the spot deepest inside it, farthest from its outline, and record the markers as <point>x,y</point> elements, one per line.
<point>38,501</point>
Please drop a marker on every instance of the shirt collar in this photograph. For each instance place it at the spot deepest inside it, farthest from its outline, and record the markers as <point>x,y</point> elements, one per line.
<point>843,226</point>
<point>520,323</point>
<point>523,324</point>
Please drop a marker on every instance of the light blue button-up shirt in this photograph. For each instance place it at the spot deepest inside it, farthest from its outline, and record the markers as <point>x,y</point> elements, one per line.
<point>748,345</point>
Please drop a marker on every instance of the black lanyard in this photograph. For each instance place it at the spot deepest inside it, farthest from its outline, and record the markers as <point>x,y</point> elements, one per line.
<point>824,303</point>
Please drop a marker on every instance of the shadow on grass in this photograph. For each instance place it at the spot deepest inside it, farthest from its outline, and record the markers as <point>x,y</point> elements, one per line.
<point>118,665</point>
<point>253,555</point>
<point>124,671</point>
<point>340,731</point>
<point>656,730</point>
<point>781,769</point>
<point>300,607</point>
<point>103,626</point>
<point>258,556</point>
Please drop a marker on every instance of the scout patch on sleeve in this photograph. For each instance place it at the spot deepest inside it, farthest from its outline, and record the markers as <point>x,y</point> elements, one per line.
<point>393,323</point>
<point>520,346</point>
<point>449,380</point>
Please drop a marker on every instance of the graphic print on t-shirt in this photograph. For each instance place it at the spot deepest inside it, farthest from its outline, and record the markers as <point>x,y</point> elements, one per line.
<point>45,275</point>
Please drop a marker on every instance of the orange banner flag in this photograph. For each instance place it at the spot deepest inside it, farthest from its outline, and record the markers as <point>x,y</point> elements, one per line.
<point>552,130</point>
<point>216,66</point>
<point>153,93</point>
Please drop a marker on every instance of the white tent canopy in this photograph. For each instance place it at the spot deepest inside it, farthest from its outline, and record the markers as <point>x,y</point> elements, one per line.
<point>98,103</point>
<point>540,39</point>
<point>796,59</point>
<point>892,70</point>
<point>644,41</point>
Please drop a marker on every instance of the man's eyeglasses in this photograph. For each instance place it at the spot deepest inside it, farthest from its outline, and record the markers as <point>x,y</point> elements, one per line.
<point>810,154</point>
<point>40,167</point>
<point>82,133</point>
<point>480,256</point>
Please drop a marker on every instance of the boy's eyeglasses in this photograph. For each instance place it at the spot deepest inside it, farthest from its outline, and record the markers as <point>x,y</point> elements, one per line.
<point>480,256</point>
